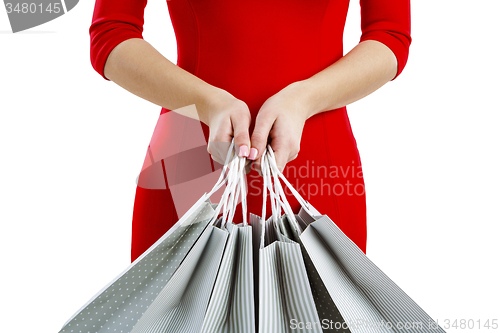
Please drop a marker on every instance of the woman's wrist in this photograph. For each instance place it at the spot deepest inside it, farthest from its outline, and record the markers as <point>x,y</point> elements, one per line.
<point>303,94</point>
<point>211,100</point>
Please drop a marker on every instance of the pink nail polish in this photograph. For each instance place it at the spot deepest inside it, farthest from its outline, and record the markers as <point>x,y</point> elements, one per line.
<point>243,151</point>
<point>253,154</point>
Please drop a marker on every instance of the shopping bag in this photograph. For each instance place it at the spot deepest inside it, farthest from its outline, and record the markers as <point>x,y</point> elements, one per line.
<point>366,298</point>
<point>285,294</point>
<point>145,276</point>
<point>231,307</point>
<point>182,304</point>
<point>166,265</point>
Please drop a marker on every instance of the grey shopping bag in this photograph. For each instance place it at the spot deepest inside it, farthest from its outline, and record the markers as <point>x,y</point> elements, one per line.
<point>286,302</point>
<point>198,297</point>
<point>329,315</point>
<point>180,306</point>
<point>121,304</point>
<point>367,299</point>
<point>231,307</point>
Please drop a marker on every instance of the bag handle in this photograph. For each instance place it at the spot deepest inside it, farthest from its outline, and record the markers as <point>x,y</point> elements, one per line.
<point>237,187</point>
<point>287,209</point>
<point>229,157</point>
<point>233,171</point>
<point>223,178</point>
<point>267,182</point>
<point>269,168</point>
<point>306,205</point>
<point>277,203</point>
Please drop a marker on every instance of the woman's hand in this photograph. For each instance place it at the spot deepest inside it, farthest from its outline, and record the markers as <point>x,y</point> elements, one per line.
<point>281,120</point>
<point>227,117</point>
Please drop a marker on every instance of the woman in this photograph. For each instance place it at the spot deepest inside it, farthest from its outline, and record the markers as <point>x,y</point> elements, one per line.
<point>257,71</point>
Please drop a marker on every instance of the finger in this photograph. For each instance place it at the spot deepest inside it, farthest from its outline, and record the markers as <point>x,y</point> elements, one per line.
<point>263,124</point>
<point>219,145</point>
<point>281,154</point>
<point>241,135</point>
<point>214,153</point>
<point>217,153</point>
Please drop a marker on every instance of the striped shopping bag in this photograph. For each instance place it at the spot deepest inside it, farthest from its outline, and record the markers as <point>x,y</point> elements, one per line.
<point>231,308</point>
<point>285,294</point>
<point>365,299</point>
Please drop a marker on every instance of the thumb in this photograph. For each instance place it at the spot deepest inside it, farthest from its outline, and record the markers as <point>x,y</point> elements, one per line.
<point>241,135</point>
<point>281,156</point>
<point>260,135</point>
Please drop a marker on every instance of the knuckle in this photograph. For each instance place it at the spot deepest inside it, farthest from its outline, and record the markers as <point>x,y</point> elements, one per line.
<point>259,139</point>
<point>219,137</point>
<point>241,136</point>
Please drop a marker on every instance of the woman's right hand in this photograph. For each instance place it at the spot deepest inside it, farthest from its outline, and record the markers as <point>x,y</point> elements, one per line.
<point>227,117</point>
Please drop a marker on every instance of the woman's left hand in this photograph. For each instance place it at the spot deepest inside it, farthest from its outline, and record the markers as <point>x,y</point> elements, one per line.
<point>281,120</point>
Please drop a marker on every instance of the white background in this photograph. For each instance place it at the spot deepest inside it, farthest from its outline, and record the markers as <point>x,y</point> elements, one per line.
<point>72,145</point>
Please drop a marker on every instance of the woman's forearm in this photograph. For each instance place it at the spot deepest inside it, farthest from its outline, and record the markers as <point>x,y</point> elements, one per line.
<point>138,67</point>
<point>367,67</point>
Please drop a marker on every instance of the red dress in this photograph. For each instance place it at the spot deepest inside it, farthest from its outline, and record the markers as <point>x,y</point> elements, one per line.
<point>253,49</point>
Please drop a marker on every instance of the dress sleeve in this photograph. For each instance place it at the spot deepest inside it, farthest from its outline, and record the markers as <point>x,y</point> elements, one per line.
<point>113,22</point>
<point>389,22</point>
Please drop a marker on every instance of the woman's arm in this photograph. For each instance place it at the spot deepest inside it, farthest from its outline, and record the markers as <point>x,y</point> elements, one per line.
<point>379,57</point>
<point>138,67</point>
<point>119,53</point>
<point>366,68</point>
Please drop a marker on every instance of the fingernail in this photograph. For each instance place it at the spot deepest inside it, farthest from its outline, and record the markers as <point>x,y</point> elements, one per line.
<point>243,151</point>
<point>253,154</point>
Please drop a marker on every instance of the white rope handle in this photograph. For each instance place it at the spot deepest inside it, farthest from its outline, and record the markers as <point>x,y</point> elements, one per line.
<point>276,203</point>
<point>233,171</point>
<point>281,197</point>
<point>228,201</point>
<point>236,187</point>
<point>307,207</point>
<point>269,168</point>
<point>243,193</point>
<point>228,171</point>
<point>230,155</point>
<point>275,198</point>
<point>223,178</point>
<point>223,203</point>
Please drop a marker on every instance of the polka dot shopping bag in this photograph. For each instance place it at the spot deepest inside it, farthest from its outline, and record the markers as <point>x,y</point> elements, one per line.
<point>180,284</point>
